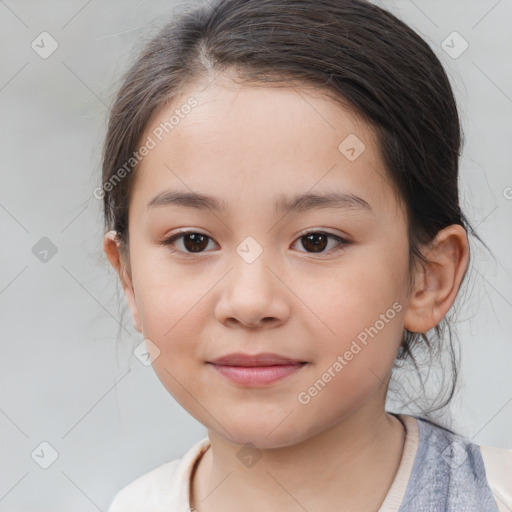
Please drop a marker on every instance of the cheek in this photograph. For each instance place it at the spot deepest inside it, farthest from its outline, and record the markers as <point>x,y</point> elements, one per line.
<point>353,295</point>
<point>170,319</point>
<point>352,365</point>
<point>169,315</point>
<point>361,309</point>
<point>168,295</point>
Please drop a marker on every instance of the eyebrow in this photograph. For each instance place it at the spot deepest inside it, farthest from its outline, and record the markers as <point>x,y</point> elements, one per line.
<point>298,203</point>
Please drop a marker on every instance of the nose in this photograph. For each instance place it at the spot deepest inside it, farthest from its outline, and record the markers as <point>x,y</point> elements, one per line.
<point>252,296</point>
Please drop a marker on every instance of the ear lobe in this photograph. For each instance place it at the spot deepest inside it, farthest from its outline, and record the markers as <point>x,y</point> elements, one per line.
<point>111,247</point>
<point>437,283</point>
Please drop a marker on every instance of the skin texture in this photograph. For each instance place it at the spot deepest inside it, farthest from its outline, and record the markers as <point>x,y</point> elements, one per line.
<point>246,146</point>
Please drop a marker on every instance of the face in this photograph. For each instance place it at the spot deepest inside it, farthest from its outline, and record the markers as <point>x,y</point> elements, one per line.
<point>321,283</point>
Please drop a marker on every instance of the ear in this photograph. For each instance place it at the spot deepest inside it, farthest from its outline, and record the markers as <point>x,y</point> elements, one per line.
<point>111,247</point>
<point>436,284</point>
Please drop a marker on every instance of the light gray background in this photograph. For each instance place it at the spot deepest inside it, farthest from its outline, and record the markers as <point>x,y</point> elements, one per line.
<point>64,378</point>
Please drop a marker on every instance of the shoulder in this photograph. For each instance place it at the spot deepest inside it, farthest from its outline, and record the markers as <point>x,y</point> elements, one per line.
<point>498,468</point>
<point>141,492</point>
<point>464,475</point>
<point>161,488</point>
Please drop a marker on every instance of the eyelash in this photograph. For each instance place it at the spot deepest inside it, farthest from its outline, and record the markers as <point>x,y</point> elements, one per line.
<point>342,241</point>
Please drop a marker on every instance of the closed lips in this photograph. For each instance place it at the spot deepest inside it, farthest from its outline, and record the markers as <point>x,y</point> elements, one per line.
<point>251,360</point>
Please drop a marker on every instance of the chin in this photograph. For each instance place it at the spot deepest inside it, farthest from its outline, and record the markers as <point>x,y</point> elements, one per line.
<point>262,434</point>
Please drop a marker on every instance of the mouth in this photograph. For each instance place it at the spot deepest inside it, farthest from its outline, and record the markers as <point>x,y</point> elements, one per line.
<point>256,370</point>
<point>252,360</point>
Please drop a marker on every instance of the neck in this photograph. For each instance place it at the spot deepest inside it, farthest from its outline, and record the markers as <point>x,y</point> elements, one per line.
<point>331,471</point>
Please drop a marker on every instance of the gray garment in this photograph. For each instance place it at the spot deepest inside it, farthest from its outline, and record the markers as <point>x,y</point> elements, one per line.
<point>448,474</point>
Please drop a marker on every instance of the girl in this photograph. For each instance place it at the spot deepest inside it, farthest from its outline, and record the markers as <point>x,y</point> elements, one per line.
<point>281,205</point>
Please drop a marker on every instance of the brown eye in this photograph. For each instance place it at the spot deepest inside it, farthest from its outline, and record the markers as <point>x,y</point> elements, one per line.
<point>317,241</point>
<point>193,242</point>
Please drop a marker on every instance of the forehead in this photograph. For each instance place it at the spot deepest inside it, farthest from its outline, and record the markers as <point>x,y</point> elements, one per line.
<point>242,142</point>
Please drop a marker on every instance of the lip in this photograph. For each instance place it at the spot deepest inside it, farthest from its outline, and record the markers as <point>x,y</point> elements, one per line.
<point>248,360</point>
<point>255,370</point>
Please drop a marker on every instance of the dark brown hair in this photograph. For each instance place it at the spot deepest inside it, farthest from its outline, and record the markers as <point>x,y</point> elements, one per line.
<point>359,54</point>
